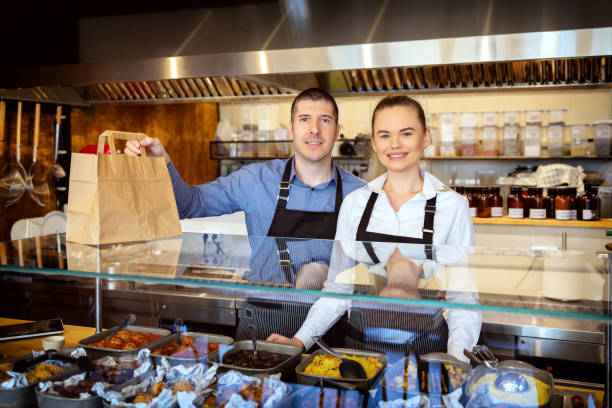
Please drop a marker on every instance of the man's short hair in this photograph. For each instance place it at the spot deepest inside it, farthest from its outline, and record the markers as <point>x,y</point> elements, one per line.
<point>315,94</point>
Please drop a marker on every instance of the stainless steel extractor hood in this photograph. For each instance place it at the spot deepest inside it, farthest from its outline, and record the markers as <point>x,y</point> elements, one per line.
<point>347,47</point>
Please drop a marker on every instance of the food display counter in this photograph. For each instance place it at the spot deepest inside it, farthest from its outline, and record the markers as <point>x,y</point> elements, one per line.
<point>545,314</point>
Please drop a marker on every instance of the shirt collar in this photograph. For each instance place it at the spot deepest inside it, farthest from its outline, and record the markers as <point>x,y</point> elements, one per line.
<point>293,175</point>
<point>431,185</point>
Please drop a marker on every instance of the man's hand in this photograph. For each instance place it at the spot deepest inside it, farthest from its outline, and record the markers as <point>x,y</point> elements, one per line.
<point>277,338</point>
<point>152,145</point>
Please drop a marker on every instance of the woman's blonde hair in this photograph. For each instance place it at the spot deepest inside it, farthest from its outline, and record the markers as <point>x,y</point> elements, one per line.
<point>400,100</point>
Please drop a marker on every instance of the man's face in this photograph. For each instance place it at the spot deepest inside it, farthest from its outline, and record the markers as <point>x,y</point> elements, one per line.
<point>314,130</point>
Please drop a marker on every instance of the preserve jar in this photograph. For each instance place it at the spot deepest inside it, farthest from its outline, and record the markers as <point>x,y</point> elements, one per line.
<point>549,202</point>
<point>483,210</point>
<point>589,204</point>
<point>496,202</point>
<point>536,203</point>
<point>516,203</point>
<point>563,208</point>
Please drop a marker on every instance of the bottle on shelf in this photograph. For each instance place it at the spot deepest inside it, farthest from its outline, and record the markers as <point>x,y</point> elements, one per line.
<point>516,203</point>
<point>490,141</point>
<point>589,204</point>
<point>496,202</point>
<point>573,191</point>
<point>536,203</point>
<point>549,202</point>
<point>563,207</point>
<point>483,209</point>
<point>472,196</point>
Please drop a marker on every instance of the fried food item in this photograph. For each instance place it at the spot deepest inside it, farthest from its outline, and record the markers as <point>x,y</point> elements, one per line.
<point>209,402</point>
<point>42,372</point>
<point>126,340</point>
<point>327,365</point>
<point>157,388</point>
<point>182,386</point>
<point>4,367</point>
<point>189,348</point>
<point>142,397</point>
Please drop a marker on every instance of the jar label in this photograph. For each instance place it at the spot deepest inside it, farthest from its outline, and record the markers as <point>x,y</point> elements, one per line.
<point>497,211</point>
<point>602,131</point>
<point>574,214</point>
<point>532,117</point>
<point>532,133</point>
<point>588,215</point>
<point>555,132</point>
<point>468,135</point>
<point>515,212</point>
<point>489,134</point>
<point>472,211</point>
<point>537,213</point>
<point>563,214</point>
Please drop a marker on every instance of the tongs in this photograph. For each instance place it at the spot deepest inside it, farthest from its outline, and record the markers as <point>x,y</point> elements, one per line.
<point>432,376</point>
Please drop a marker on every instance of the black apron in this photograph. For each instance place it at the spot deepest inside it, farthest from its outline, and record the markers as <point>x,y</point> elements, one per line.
<point>374,329</point>
<point>286,317</point>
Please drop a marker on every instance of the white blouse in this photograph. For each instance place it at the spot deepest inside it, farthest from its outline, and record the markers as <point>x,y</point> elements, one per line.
<point>453,235</point>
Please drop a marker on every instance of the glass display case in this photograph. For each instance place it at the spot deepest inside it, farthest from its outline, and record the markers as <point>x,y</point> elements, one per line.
<point>407,312</point>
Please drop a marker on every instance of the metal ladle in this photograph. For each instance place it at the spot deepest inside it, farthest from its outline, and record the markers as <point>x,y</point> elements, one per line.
<point>509,381</point>
<point>13,180</point>
<point>253,334</point>
<point>36,179</point>
<point>349,369</point>
<point>179,324</point>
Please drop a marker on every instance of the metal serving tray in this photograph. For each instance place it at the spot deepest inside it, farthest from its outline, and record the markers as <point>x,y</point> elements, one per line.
<point>164,341</point>
<point>310,379</point>
<point>98,352</point>
<point>391,393</point>
<point>25,396</point>
<point>293,351</point>
<point>517,366</point>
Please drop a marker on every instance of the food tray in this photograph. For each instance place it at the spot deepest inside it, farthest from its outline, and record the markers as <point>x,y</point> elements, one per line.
<point>98,352</point>
<point>390,392</point>
<point>520,367</point>
<point>164,341</point>
<point>293,351</point>
<point>310,379</point>
<point>25,396</point>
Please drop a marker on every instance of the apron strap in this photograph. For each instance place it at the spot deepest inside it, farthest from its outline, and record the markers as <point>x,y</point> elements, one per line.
<point>285,261</point>
<point>285,184</point>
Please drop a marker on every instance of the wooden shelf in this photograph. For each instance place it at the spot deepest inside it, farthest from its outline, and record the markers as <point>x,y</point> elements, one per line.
<point>564,158</point>
<point>603,223</point>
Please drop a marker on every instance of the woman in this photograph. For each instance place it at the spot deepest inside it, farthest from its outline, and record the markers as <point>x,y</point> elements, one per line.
<point>400,219</point>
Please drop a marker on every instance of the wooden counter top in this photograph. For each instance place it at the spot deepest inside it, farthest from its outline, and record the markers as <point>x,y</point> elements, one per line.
<point>603,223</point>
<point>15,348</point>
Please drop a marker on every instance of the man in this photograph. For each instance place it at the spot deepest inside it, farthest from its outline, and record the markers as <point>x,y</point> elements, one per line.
<point>298,197</point>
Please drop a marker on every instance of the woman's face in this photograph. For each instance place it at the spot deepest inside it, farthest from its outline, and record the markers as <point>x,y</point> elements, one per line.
<point>399,138</point>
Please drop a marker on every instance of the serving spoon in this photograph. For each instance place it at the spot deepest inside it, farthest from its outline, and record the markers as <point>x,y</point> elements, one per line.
<point>179,324</point>
<point>509,381</point>
<point>349,369</point>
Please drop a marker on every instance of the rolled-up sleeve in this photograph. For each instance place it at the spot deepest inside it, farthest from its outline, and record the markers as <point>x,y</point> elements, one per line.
<point>225,195</point>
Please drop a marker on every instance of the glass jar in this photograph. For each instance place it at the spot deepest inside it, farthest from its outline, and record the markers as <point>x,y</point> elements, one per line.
<point>496,202</point>
<point>533,117</point>
<point>590,148</point>
<point>469,119</point>
<point>579,135</point>
<point>489,141</point>
<point>549,202</point>
<point>536,203</point>
<point>563,207</point>
<point>512,145</point>
<point>460,190</point>
<point>470,194</point>
<point>447,126</point>
<point>483,210</point>
<point>516,203</point>
<point>554,135</point>
<point>448,149</point>
<point>511,117</point>
<point>468,142</point>
<point>531,141</point>
<point>556,116</point>
<point>603,132</point>
<point>488,118</point>
<point>589,204</point>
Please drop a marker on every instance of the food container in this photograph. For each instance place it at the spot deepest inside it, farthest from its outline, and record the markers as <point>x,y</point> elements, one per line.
<point>556,116</point>
<point>533,117</point>
<point>531,141</point>
<point>25,396</point>
<point>511,117</point>
<point>392,392</point>
<point>488,118</point>
<point>469,145</point>
<point>164,341</point>
<point>98,352</point>
<point>555,137</point>
<point>490,146</point>
<point>603,136</point>
<point>447,126</point>
<point>512,145</point>
<point>365,384</point>
<point>292,351</point>
<point>515,366</point>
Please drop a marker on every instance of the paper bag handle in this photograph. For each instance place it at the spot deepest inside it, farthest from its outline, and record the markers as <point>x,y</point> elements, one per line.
<point>116,134</point>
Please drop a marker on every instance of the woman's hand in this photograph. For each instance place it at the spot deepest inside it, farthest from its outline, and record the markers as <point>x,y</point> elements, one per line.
<point>402,277</point>
<point>152,145</point>
<point>277,338</point>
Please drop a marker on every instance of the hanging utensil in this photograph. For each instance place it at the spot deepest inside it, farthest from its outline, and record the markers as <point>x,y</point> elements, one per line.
<point>58,170</point>
<point>36,179</point>
<point>179,325</point>
<point>12,182</point>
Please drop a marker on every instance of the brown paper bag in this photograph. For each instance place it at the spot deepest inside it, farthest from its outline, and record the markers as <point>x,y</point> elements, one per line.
<point>118,198</point>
